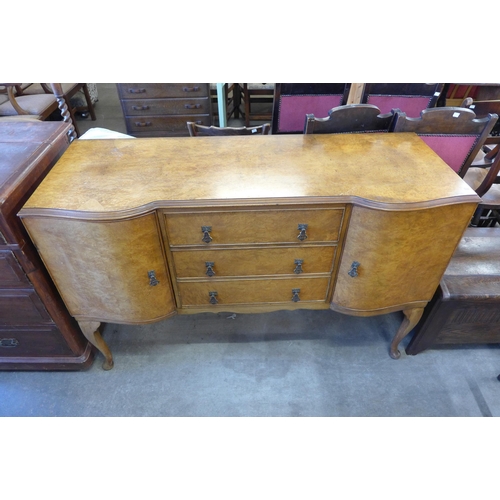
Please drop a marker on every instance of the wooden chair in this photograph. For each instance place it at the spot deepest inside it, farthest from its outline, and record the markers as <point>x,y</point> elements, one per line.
<point>39,106</point>
<point>196,130</point>
<point>351,118</point>
<point>411,98</point>
<point>455,133</point>
<point>254,93</point>
<point>292,101</point>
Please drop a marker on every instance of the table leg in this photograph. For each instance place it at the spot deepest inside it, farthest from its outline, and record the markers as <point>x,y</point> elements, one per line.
<point>89,329</point>
<point>412,317</point>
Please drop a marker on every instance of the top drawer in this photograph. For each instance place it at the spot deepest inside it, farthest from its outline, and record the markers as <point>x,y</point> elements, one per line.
<point>160,90</point>
<point>254,226</point>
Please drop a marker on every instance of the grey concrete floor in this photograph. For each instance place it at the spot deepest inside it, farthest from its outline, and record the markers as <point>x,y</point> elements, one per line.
<point>280,364</point>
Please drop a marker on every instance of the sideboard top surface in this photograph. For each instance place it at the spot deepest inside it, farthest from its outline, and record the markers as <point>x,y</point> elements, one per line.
<point>392,171</point>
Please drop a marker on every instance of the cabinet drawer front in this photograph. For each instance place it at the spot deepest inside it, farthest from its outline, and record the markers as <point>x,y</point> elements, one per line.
<point>11,273</point>
<point>38,341</point>
<point>155,90</point>
<point>168,124</point>
<point>255,262</point>
<point>253,291</point>
<point>139,107</point>
<point>22,307</point>
<point>255,226</point>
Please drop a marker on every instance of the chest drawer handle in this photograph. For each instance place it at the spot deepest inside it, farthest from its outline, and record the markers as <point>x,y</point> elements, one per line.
<point>190,89</point>
<point>137,91</point>
<point>206,234</point>
<point>295,294</point>
<point>192,106</point>
<point>353,272</point>
<point>143,124</point>
<point>9,342</point>
<point>210,268</point>
<point>213,297</point>
<point>152,278</point>
<point>298,266</point>
<point>302,232</point>
<point>140,108</point>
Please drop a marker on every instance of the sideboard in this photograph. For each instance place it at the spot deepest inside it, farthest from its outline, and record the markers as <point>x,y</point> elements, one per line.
<point>36,330</point>
<point>134,231</point>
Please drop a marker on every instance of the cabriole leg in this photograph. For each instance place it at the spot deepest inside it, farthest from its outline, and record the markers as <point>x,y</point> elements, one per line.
<point>412,317</point>
<point>89,329</point>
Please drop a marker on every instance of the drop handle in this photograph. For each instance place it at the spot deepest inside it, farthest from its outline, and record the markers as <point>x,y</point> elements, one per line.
<point>192,106</point>
<point>295,294</point>
<point>140,108</point>
<point>213,297</point>
<point>210,268</point>
<point>206,233</point>
<point>152,278</point>
<point>302,232</point>
<point>298,266</point>
<point>143,124</point>
<point>353,272</point>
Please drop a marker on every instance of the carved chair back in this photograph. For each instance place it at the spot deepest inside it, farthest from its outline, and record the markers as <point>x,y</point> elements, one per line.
<point>202,130</point>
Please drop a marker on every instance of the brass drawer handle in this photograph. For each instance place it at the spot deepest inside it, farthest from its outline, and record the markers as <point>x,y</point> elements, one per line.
<point>143,124</point>
<point>298,266</point>
<point>213,297</point>
<point>192,106</point>
<point>190,89</point>
<point>140,108</point>
<point>353,272</point>
<point>302,232</point>
<point>206,234</point>
<point>137,91</point>
<point>152,278</point>
<point>210,268</point>
<point>9,342</point>
<point>295,294</point>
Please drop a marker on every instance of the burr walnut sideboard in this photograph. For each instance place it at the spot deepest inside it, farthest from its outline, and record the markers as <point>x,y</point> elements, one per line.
<point>36,330</point>
<point>134,231</point>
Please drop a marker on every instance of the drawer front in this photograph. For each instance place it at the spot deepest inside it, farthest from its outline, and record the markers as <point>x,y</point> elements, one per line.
<point>158,90</point>
<point>253,291</point>
<point>37,342</point>
<point>22,307</point>
<point>256,262</point>
<point>139,107</point>
<point>169,124</point>
<point>11,273</point>
<point>248,227</point>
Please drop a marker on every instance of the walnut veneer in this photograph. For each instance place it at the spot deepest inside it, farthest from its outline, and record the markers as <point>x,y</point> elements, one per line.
<point>134,231</point>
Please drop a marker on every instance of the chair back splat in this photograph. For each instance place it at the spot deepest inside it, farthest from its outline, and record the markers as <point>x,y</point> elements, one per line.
<point>351,118</point>
<point>202,130</point>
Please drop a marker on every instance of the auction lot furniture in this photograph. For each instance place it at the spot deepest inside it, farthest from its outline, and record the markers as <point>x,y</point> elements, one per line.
<point>465,308</point>
<point>36,330</point>
<point>134,231</point>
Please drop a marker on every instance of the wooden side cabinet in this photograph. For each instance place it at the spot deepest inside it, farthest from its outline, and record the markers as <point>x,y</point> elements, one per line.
<point>36,330</point>
<point>363,224</point>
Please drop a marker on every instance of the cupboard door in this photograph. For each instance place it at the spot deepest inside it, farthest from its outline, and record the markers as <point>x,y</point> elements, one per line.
<point>112,271</point>
<point>396,258</point>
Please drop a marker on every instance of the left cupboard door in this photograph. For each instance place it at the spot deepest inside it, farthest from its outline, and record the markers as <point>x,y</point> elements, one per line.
<point>108,271</point>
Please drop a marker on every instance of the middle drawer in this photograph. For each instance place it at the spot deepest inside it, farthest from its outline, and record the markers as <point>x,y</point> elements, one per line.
<point>254,226</point>
<point>139,107</point>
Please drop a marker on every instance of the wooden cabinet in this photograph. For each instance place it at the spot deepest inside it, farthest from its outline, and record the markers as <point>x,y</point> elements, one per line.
<point>162,109</point>
<point>36,330</point>
<point>360,223</point>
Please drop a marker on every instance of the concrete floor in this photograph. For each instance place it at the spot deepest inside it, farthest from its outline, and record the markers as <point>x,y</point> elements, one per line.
<point>301,363</point>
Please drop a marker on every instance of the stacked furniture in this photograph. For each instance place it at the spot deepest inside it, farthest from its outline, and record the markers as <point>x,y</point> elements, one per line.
<point>36,330</point>
<point>163,109</point>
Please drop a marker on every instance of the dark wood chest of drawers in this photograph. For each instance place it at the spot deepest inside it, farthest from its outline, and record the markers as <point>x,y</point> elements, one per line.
<point>162,109</point>
<point>36,330</point>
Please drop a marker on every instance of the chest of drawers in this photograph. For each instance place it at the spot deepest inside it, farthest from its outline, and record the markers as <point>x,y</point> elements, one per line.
<point>162,109</point>
<point>361,224</point>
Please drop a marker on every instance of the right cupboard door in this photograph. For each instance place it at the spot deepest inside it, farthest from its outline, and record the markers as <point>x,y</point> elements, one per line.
<point>393,259</point>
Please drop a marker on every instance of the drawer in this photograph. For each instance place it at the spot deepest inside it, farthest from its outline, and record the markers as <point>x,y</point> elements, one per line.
<point>255,262</point>
<point>158,90</point>
<point>169,124</point>
<point>22,307</point>
<point>253,291</point>
<point>139,107</point>
<point>259,226</point>
<point>37,342</point>
<point>11,273</point>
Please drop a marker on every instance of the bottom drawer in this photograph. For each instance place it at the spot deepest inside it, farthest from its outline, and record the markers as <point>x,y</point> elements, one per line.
<point>38,341</point>
<point>22,307</point>
<point>170,125</point>
<point>253,291</point>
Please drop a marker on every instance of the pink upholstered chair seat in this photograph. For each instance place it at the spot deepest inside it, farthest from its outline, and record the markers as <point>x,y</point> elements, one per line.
<point>293,109</point>
<point>453,149</point>
<point>411,105</point>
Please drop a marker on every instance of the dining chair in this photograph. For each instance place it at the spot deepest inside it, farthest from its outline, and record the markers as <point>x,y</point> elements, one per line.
<point>261,94</point>
<point>292,101</point>
<point>351,118</point>
<point>16,104</point>
<point>196,130</point>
